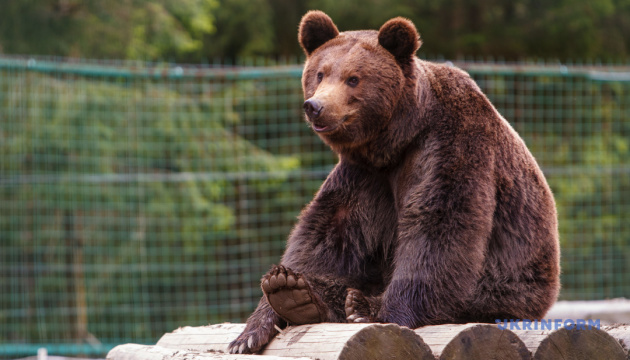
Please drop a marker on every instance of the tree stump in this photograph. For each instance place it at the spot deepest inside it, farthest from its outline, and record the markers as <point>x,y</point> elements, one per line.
<point>473,341</point>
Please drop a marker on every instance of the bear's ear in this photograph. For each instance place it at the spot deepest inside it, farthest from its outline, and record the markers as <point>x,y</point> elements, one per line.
<point>400,37</point>
<point>315,29</point>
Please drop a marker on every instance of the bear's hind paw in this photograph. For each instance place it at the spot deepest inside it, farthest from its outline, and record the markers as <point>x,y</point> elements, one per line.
<point>291,297</point>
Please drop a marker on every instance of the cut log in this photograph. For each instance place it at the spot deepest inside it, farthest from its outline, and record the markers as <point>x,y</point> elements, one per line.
<point>473,341</point>
<point>574,343</point>
<point>325,341</point>
<point>148,352</point>
<point>350,342</point>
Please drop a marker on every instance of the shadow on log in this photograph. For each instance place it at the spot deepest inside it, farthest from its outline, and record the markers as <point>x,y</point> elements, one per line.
<point>473,341</point>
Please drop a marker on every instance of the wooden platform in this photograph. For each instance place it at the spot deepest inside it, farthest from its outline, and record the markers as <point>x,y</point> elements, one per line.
<point>327,341</point>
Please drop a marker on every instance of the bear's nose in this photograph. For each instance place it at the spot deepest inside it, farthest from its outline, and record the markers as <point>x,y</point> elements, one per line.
<point>313,107</point>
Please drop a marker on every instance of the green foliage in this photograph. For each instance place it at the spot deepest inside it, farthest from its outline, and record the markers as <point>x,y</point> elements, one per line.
<point>116,190</point>
<point>197,30</point>
<point>131,29</point>
<point>244,29</point>
<point>169,29</point>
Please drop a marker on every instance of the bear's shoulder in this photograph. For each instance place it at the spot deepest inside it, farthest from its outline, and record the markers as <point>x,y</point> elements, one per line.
<point>457,93</point>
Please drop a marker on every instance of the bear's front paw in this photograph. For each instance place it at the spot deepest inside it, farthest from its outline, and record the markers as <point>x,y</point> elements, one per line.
<point>247,343</point>
<point>255,336</point>
<point>358,308</point>
<point>291,297</point>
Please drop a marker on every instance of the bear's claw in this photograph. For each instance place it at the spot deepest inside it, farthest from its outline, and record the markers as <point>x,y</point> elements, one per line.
<point>255,336</point>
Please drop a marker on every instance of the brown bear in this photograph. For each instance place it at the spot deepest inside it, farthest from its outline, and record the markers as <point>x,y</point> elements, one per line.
<point>436,211</point>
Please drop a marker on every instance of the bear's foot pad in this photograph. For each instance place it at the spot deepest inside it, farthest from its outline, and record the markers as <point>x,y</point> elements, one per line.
<point>290,296</point>
<point>357,307</point>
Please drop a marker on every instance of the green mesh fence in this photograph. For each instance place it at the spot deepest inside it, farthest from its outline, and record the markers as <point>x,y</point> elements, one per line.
<point>136,198</point>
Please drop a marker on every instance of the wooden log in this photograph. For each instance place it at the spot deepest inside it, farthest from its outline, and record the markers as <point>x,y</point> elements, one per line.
<point>574,343</point>
<point>608,312</point>
<point>325,341</point>
<point>473,341</point>
<point>203,338</point>
<point>148,352</point>
<point>350,342</point>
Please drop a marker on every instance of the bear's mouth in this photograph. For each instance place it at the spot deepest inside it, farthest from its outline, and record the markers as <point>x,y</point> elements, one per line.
<point>322,128</point>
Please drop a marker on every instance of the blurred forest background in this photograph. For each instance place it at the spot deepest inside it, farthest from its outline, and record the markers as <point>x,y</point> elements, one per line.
<point>137,197</point>
<point>196,31</point>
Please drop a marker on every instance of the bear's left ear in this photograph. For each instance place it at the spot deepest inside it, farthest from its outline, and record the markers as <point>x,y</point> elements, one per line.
<point>316,28</point>
<point>400,37</point>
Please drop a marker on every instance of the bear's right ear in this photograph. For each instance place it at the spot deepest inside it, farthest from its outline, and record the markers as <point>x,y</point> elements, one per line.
<point>315,29</point>
<point>400,37</point>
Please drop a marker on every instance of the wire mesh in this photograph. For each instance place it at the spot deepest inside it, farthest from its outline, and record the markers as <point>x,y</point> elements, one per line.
<point>136,198</point>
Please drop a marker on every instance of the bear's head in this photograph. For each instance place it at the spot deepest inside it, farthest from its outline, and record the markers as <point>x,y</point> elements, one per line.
<point>353,81</point>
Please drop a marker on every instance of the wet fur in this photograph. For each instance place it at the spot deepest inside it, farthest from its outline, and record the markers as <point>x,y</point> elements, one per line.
<point>436,208</point>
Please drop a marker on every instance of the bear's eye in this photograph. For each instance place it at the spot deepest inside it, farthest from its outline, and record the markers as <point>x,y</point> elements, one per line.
<point>320,77</point>
<point>352,81</point>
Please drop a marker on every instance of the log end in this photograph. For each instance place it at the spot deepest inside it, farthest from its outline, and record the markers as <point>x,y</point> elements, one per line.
<point>385,341</point>
<point>580,344</point>
<point>485,342</point>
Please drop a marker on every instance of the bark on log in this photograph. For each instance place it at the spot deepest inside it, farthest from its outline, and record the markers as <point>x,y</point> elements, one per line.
<point>578,344</point>
<point>325,341</point>
<point>148,352</point>
<point>473,341</point>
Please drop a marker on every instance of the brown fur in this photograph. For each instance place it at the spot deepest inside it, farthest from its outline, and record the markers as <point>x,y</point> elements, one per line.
<point>436,211</point>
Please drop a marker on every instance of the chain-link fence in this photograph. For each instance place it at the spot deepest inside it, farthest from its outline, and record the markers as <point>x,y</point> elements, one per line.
<point>136,198</point>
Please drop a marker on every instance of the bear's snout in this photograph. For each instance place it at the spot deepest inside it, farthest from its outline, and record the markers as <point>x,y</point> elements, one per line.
<point>313,108</point>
